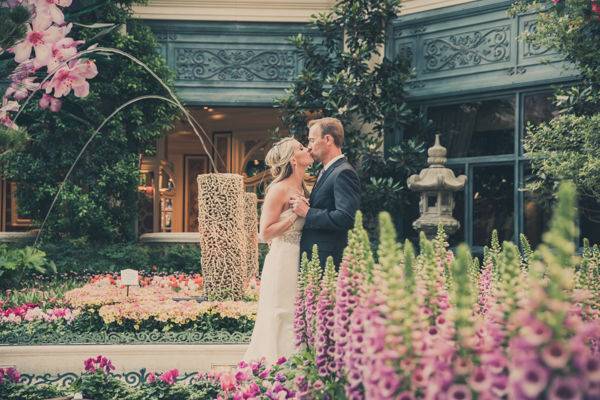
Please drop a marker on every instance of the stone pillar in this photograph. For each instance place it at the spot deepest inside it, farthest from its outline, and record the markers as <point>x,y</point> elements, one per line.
<point>223,238</point>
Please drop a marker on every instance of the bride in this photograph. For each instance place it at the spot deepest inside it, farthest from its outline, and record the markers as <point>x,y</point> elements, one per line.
<point>273,334</point>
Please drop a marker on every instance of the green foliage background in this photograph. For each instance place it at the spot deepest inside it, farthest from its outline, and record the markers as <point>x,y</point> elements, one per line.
<point>568,146</point>
<point>99,201</point>
<point>343,78</point>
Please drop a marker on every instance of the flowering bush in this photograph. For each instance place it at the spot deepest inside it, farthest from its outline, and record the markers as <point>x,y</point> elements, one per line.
<point>160,303</point>
<point>32,312</point>
<point>435,325</point>
<point>98,381</point>
<point>152,304</point>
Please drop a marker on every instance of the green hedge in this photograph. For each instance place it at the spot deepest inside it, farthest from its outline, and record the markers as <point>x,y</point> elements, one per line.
<point>85,257</point>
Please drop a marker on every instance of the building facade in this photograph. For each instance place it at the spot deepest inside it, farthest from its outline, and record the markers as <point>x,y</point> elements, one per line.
<point>474,78</point>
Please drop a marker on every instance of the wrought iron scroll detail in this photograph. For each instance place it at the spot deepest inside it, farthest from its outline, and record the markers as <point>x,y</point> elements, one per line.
<point>468,49</point>
<point>212,337</point>
<point>236,65</point>
<point>132,378</point>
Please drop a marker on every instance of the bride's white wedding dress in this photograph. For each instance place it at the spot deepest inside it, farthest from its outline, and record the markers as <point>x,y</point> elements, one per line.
<point>273,334</point>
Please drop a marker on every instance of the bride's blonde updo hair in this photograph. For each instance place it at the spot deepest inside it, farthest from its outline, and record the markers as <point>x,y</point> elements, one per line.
<point>279,159</point>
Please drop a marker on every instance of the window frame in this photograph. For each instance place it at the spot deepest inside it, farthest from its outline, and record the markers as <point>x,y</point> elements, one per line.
<point>519,159</point>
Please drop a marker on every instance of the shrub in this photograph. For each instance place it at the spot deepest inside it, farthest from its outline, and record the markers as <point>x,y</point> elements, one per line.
<point>16,263</point>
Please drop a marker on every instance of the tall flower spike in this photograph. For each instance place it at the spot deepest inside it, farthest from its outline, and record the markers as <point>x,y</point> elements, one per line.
<point>431,276</point>
<point>558,250</point>
<point>351,288</point>
<point>464,298</point>
<point>311,291</point>
<point>301,340</point>
<point>385,328</point>
<point>526,251</point>
<point>510,279</point>
<point>324,340</point>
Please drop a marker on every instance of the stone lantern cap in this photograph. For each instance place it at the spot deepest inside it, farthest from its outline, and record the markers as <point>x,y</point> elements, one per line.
<point>436,177</point>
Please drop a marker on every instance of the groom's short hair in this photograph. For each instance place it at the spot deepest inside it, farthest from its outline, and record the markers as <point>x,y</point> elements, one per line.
<point>332,127</point>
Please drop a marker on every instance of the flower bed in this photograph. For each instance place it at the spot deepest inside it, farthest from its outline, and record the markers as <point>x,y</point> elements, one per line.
<point>164,306</point>
<point>434,325</point>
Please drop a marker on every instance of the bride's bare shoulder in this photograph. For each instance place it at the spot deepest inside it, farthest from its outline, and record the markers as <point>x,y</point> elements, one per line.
<point>277,192</point>
<point>278,189</point>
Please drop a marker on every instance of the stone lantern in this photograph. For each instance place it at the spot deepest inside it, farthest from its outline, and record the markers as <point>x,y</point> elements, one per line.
<point>436,184</point>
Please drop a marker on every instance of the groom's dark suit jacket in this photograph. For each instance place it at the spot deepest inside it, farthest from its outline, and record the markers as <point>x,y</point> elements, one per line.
<point>333,204</point>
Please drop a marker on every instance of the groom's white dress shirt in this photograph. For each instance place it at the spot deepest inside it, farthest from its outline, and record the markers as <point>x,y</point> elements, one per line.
<point>329,165</point>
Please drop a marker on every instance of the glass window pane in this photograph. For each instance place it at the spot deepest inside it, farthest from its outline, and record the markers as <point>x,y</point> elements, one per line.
<point>493,204</point>
<point>536,213</point>
<point>478,128</point>
<point>459,212</point>
<point>537,108</point>
<point>589,223</point>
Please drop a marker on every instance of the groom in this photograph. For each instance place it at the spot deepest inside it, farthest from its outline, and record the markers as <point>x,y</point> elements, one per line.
<point>335,197</point>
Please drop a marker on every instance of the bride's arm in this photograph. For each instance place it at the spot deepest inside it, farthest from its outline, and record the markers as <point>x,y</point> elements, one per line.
<point>270,226</point>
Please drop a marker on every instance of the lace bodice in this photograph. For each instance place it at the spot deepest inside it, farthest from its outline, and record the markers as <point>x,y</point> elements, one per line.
<point>292,235</point>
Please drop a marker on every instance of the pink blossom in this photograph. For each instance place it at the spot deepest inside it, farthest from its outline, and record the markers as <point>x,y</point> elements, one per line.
<point>169,377</point>
<point>459,392</point>
<point>50,11</point>
<point>8,106</point>
<point>556,355</point>
<point>565,389</point>
<point>40,37</point>
<point>61,51</point>
<point>151,378</point>
<point>73,77</point>
<point>227,381</point>
<point>19,90</point>
<point>50,101</point>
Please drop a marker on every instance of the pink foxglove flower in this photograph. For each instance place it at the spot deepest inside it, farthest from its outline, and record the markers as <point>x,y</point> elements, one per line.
<point>40,37</point>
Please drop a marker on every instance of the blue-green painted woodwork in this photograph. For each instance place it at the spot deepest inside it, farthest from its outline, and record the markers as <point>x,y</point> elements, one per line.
<point>229,63</point>
<point>471,48</point>
<point>471,52</point>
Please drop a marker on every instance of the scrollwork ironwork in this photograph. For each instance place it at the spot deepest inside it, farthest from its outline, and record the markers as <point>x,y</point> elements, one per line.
<point>191,337</point>
<point>132,378</point>
<point>468,49</point>
<point>236,65</point>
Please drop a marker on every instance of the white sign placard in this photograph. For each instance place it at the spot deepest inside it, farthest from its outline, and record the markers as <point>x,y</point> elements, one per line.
<point>129,277</point>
